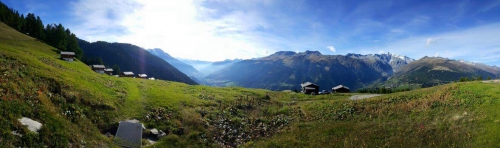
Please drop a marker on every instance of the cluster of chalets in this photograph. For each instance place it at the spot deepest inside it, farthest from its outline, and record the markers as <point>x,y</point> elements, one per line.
<point>69,56</point>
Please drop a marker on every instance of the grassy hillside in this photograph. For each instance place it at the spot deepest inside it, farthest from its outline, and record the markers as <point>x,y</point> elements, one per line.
<point>77,106</point>
<point>453,115</point>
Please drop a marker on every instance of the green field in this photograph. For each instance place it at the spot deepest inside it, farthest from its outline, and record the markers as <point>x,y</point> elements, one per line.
<point>77,106</point>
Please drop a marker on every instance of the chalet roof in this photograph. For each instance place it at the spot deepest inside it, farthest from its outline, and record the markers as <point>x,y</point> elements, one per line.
<point>67,53</point>
<point>340,86</point>
<point>129,134</point>
<point>108,70</point>
<point>128,73</point>
<point>143,75</point>
<point>98,66</point>
<point>307,84</point>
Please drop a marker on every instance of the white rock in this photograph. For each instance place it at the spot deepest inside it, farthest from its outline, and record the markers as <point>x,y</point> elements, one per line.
<point>155,131</point>
<point>33,125</point>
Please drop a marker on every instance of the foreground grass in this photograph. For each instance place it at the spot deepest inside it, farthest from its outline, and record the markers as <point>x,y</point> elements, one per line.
<point>454,115</point>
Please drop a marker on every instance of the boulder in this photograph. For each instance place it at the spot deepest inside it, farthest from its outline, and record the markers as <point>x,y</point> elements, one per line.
<point>33,125</point>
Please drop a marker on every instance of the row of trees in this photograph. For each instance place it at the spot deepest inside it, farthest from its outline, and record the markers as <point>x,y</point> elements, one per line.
<point>383,90</point>
<point>478,78</point>
<point>54,35</point>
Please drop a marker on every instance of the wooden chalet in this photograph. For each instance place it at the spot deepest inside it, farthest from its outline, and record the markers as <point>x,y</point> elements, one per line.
<point>98,68</point>
<point>142,76</point>
<point>127,74</point>
<point>341,89</point>
<point>108,71</point>
<point>309,88</point>
<point>67,56</point>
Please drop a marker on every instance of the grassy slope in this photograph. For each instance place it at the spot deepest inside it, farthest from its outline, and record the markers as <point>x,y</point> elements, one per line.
<point>76,104</point>
<point>459,114</point>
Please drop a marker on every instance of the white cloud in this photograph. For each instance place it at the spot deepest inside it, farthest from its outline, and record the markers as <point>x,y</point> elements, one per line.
<point>331,48</point>
<point>430,41</point>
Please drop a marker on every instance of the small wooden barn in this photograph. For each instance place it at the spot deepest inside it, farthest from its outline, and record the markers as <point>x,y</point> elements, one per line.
<point>108,71</point>
<point>127,74</point>
<point>129,134</point>
<point>341,89</point>
<point>67,56</point>
<point>142,76</point>
<point>309,88</point>
<point>98,68</point>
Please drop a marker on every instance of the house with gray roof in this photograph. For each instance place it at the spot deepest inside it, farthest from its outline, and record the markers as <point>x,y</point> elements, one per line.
<point>143,76</point>
<point>108,71</point>
<point>341,89</point>
<point>98,68</point>
<point>127,74</point>
<point>309,88</point>
<point>67,56</point>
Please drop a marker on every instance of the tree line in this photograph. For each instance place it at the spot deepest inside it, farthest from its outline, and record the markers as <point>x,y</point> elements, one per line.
<point>54,35</point>
<point>478,78</point>
<point>383,90</point>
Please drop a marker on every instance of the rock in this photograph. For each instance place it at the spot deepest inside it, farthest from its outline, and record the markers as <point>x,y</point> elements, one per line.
<point>16,133</point>
<point>161,134</point>
<point>33,125</point>
<point>154,131</point>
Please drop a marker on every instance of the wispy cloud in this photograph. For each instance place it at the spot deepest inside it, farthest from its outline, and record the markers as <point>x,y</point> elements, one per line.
<point>331,48</point>
<point>431,41</point>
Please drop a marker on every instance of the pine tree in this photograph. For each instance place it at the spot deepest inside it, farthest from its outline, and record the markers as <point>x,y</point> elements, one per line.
<point>116,70</point>
<point>479,78</point>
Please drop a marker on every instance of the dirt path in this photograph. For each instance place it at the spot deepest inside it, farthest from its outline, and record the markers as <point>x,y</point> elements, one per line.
<point>359,97</point>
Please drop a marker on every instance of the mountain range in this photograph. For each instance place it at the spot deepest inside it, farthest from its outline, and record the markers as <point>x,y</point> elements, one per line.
<point>133,58</point>
<point>431,71</point>
<point>286,70</point>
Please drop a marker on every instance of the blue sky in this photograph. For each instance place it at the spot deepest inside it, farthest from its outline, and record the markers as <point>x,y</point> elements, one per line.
<point>226,29</point>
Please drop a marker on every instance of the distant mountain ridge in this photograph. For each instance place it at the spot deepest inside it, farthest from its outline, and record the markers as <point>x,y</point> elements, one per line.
<point>287,69</point>
<point>431,71</point>
<point>133,58</point>
<point>181,66</point>
<point>395,61</point>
